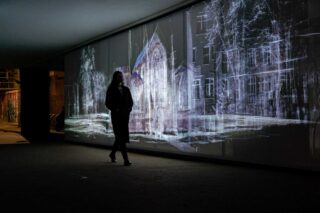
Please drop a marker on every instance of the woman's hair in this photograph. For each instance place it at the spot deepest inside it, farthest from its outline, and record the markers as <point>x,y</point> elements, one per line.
<point>115,78</point>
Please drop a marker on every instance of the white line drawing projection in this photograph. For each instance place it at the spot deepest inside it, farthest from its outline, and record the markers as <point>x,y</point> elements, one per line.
<point>244,68</point>
<point>92,83</point>
<point>150,87</point>
<point>85,95</point>
<point>248,52</point>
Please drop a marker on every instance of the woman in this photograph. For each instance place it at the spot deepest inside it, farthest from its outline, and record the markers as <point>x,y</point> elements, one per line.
<point>119,102</point>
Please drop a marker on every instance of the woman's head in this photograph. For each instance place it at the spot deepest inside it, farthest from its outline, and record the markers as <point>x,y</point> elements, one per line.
<point>117,78</point>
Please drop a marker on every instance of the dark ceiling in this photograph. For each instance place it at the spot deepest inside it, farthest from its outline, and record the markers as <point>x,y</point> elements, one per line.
<point>35,30</point>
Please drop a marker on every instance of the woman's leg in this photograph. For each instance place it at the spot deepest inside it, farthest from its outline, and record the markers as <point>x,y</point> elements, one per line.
<point>115,147</point>
<point>123,149</point>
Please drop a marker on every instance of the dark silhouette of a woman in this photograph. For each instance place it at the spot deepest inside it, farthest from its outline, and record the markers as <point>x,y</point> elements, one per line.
<point>119,102</point>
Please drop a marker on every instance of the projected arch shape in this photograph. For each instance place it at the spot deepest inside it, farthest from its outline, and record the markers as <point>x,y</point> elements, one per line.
<point>151,89</point>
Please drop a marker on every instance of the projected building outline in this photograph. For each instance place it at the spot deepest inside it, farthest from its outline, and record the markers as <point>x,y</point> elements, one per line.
<point>239,74</point>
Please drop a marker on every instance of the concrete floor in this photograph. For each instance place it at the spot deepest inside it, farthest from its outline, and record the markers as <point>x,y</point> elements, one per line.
<point>10,133</point>
<point>64,177</point>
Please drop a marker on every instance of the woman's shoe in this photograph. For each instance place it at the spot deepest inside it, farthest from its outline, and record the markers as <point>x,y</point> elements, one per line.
<point>127,163</point>
<point>113,158</point>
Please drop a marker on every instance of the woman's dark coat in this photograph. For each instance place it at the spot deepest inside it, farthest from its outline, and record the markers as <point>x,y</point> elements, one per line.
<point>120,106</point>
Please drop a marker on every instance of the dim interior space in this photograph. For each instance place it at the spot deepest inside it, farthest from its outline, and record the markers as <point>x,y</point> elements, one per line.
<point>10,106</point>
<point>220,97</point>
<point>10,109</point>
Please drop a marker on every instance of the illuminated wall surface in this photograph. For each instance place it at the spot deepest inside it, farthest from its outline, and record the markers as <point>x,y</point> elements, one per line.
<point>236,79</point>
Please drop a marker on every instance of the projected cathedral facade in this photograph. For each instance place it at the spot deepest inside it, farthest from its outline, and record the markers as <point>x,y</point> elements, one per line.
<point>204,78</point>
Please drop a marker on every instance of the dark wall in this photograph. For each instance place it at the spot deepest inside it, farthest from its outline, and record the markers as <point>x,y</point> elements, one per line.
<point>35,103</point>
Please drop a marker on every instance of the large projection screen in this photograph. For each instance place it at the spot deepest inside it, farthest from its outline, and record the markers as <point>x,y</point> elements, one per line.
<point>235,80</point>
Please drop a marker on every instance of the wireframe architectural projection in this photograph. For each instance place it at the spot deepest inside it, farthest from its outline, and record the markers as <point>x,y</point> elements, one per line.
<point>244,68</point>
<point>92,83</point>
<point>250,52</point>
<point>85,95</point>
<point>150,87</point>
